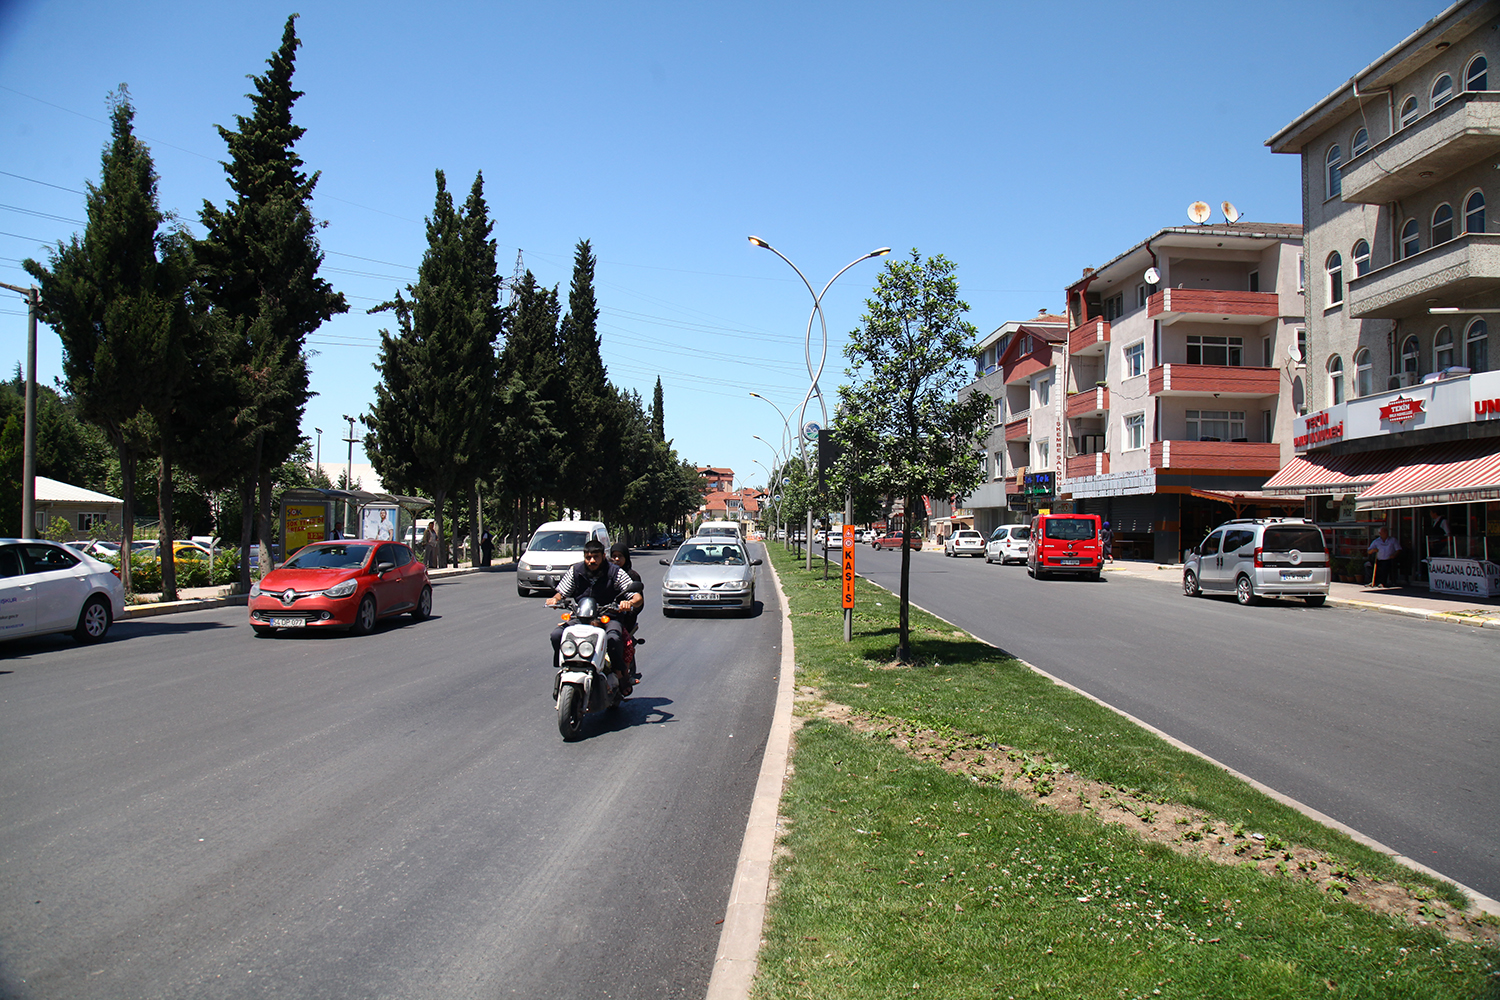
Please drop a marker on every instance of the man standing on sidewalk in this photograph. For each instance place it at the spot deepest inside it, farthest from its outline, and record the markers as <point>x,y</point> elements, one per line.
<point>1384,548</point>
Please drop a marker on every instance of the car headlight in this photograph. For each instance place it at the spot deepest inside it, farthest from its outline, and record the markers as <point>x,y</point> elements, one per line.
<point>341,589</point>
<point>255,589</point>
<point>677,585</point>
<point>586,649</point>
<point>569,648</point>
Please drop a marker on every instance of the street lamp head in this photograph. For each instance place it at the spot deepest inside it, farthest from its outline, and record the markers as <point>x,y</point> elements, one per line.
<point>760,242</point>
<point>879,253</point>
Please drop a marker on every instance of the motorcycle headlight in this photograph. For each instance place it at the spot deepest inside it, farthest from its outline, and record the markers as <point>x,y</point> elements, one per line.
<point>341,589</point>
<point>255,589</point>
<point>569,648</point>
<point>586,649</point>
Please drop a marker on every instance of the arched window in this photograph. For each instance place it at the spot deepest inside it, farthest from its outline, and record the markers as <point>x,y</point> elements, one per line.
<point>1477,347</point>
<point>1474,213</point>
<point>1442,224</point>
<point>1442,349</point>
<point>1334,267</point>
<point>1411,357</point>
<point>1442,91</point>
<point>1335,380</point>
<point>1411,240</point>
<point>1362,372</point>
<point>1360,144</point>
<point>1361,257</point>
<point>1335,177</point>
<point>1409,109</point>
<point>1476,76</point>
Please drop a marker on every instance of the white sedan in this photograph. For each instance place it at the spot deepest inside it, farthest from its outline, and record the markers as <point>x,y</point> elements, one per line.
<point>966,542</point>
<point>45,587</point>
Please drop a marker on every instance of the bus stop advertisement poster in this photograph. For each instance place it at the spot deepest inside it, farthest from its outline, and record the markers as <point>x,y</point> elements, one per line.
<point>377,522</point>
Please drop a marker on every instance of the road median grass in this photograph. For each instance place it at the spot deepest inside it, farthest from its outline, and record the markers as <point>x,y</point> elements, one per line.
<point>965,827</point>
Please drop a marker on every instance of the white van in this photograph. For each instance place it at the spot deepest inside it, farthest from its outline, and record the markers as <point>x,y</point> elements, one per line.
<point>555,547</point>
<point>723,528</point>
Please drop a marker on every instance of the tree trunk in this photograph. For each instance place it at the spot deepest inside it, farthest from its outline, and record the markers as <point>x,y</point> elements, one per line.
<point>903,639</point>
<point>127,512</point>
<point>165,529</point>
<point>474,553</point>
<point>263,520</point>
<point>247,525</point>
<point>437,529</point>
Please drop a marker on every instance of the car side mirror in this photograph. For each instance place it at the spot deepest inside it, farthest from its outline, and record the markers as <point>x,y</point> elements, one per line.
<point>755,562</point>
<point>663,562</point>
<point>382,568</point>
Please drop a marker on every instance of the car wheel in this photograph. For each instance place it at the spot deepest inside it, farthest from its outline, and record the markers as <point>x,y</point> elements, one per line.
<point>364,618</point>
<point>1190,584</point>
<point>93,620</point>
<point>1315,602</point>
<point>1244,591</point>
<point>424,604</point>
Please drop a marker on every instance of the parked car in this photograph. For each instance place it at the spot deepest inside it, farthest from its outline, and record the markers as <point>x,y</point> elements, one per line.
<point>913,541</point>
<point>46,587</point>
<point>964,542</point>
<point>1260,557</point>
<point>1007,544</point>
<point>554,548</point>
<point>709,573</point>
<point>1065,543</point>
<point>341,585</point>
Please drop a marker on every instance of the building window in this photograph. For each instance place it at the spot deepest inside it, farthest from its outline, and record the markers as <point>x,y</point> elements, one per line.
<point>1114,307</point>
<point>1411,357</point>
<point>1362,372</point>
<point>1442,224</point>
<point>1223,351</point>
<point>984,465</point>
<point>1336,380</point>
<point>1255,281</point>
<point>1361,257</point>
<point>1411,239</point>
<point>1474,213</point>
<point>1135,431</point>
<point>1409,110</point>
<point>1442,349</point>
<point>1025,348</point>
<point>1335,178</point>
<point>1442,91</point>
<point>1301,271</point>
<point>1334,267</point>
<point>1476,76</point>
<point>1301,347</point>
<point>1043,392</point>
<point>1267,352</point>
<point>88,518</point>
<point>1215,425</point>
<point>999,465</point>
<point>1141,295</point>
<point>1267,425</point>
<point>1360,144</point>
<point>1135,359</point>
<point>999,412</point>
<point>1043,455</point>
<point>1477,347</point>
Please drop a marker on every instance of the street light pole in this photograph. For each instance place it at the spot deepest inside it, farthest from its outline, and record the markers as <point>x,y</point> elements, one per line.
<point>320,451</point>
<point>349,475</point>
<point>28,431</point>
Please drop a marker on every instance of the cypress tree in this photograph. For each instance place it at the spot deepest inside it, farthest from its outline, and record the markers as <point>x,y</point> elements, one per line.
<point>658,414</point>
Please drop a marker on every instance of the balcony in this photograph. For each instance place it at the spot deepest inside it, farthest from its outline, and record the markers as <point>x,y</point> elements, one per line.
<point>1217,456</point>
<point>1212,305</point>
<point>1018,429</point>
<point>1089,338</point>
<point>1426,152</point>
<point>1096,464</point>
<point>1088,403</point>
<point>1446,274</point>
<point>1214,380</point>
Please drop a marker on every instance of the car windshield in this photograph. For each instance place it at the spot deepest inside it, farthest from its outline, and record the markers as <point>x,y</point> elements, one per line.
<point>970,535</point>
<point>329,557</point>
<point>1287,538</point>
<point>559,541</point>
<point>1068,529</point>
<point>709,554</point>
<point>1021,532</point>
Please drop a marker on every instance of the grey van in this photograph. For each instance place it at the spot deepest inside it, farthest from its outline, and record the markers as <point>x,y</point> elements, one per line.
<point>1260,557</point>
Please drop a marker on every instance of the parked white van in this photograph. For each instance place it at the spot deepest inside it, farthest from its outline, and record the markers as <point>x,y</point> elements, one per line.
<point>555,547</point>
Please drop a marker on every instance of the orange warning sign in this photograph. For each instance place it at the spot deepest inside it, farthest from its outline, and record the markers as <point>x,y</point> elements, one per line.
<point>848,566</point>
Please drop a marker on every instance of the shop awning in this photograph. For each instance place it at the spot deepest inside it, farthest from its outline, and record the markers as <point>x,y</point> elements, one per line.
<point>1309,474</point>
<point>1251,498</point>
<point>1453,472</point>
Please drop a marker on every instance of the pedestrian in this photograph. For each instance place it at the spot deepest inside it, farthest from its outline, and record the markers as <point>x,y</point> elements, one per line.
<point>429,547</point>
<point>1384,548</point>
<point>1107,542</point>
<point>486,546</point>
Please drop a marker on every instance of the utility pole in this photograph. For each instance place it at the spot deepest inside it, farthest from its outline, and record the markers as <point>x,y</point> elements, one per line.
<point>349,475</point>
<point>28,433</point>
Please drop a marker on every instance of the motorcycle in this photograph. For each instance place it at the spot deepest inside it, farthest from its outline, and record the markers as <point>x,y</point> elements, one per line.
<point>586,679</point>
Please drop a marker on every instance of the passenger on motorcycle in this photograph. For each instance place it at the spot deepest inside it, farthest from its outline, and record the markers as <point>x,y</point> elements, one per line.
<point>607,584</point>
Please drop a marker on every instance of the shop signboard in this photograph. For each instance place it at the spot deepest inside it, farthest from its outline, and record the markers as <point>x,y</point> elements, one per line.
<point>1038,484</point>
<point>303,523</point>
<point>1464,577</point>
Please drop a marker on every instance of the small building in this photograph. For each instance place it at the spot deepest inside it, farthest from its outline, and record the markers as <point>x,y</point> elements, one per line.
<point>83,509</point>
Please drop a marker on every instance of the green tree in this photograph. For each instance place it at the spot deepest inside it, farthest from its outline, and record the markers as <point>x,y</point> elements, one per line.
<point>531,394</point>
<point>591,472</point>
<point>260,268</point>
<point>658,413</point>
<point>906,432</point>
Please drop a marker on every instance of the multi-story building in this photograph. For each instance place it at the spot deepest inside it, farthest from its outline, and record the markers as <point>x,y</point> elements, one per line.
<point>1180,371</point>
<point>1403,281</point>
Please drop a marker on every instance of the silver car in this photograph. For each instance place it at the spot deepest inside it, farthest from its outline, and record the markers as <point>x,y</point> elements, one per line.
<point>1260,557</point>
<point>709,574</point>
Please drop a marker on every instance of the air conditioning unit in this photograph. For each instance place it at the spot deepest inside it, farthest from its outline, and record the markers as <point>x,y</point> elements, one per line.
<point>1401,380</point>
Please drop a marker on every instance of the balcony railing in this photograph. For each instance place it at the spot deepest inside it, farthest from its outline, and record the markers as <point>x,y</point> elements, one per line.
<point>1019,429</point>
<point>1096,464</point>
<point>1217,456</point>
<point>1444,275</point>
<point>1213,305</point>
<point>1426,152</point>
<point>1088,403</point>
<point>1089,338</point>
<point>1206,380</point>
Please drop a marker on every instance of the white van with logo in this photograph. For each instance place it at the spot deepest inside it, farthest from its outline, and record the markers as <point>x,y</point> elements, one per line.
<point>552,551</point>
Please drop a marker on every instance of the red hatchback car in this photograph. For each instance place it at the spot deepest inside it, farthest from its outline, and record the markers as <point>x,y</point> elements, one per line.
<point>341,585</point>
<point>913,541</point>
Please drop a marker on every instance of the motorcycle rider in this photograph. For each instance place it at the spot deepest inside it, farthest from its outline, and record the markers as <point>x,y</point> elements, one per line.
<point>606,583</point>
<point>619,554</point>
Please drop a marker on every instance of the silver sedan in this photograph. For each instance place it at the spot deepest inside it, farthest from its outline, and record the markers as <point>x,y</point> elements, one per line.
<point>709,574</point>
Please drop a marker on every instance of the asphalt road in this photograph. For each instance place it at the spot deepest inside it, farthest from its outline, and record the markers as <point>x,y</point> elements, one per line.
<point>189,811</point>
<point>1388,724</point>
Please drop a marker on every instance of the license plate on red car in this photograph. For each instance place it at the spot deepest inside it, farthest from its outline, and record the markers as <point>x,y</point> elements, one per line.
<point>1071,562</point>
<point>288,622</point>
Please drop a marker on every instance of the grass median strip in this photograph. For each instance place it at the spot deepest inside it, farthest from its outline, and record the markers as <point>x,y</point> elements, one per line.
<point>967,828</point>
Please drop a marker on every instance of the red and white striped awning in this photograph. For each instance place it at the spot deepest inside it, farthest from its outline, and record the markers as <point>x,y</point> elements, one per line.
<point>1453,472</point>
<point>1309,474</point>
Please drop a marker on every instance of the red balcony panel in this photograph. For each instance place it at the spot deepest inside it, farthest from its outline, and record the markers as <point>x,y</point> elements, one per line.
<point>1089,338</point>
<point>1096,464</point>
<point>1217,456</point>
<point>1088,403</point>
<point>1018,430</point>
<point>1199,380</point>
<point>1216,305</point>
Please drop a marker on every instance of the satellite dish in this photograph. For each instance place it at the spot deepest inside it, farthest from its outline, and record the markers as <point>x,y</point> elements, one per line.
<point>1230,212</point>
<point>1293,355</point>
<point>1153,276</point>
<point>1198,211</point>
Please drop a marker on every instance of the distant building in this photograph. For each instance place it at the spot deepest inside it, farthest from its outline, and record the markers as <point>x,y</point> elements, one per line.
<point>716,479</point>
<point>84,510</point>
<point>738,505</point>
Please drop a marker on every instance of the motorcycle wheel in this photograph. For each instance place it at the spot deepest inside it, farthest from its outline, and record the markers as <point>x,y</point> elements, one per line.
<point>569,713</point>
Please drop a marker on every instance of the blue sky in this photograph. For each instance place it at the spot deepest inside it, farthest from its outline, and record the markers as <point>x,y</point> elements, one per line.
<point>1022,141</point>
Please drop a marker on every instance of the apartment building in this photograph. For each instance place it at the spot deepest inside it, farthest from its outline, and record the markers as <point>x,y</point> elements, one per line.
<point>1403,283</point>
<point>1180,375</point>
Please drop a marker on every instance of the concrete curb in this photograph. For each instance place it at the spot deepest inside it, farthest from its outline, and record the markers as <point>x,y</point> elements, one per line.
<point>738,956</point>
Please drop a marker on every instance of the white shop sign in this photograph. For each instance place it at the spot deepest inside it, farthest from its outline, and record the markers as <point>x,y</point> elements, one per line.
<point>1465,577</point>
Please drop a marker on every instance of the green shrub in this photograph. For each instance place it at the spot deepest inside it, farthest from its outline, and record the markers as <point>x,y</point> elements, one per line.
<point>145,573</point>
<point>226,567</point>
<point>192,573</point>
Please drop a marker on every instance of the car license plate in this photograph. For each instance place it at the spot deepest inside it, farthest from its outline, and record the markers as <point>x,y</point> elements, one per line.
<point>703,597</point>
<point>1071,562</point>
<point>289,622</point>
<point>1296,574</point>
